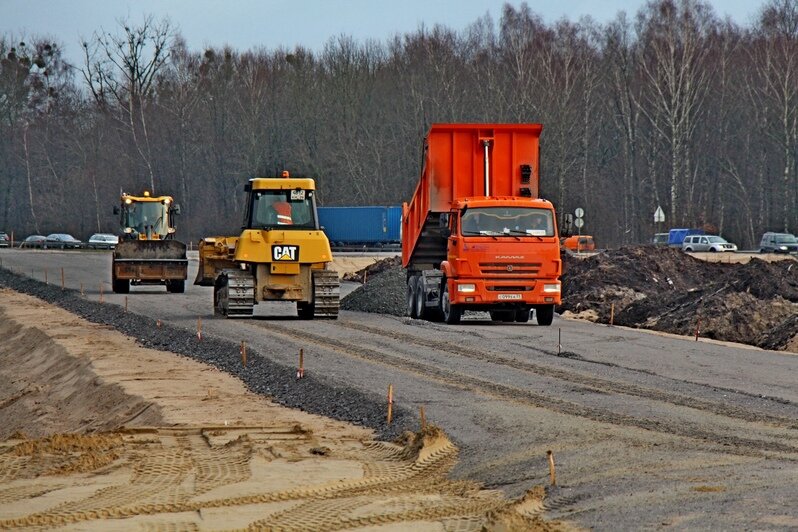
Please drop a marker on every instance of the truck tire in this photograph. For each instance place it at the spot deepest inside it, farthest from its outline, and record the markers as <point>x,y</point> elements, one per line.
<point>177,286</point>
<point>544,314</point>
<point>419,300</point>
<point>451,313</point>
<point>411,296</point>
<point>120,286</point>
<point>522,315</point>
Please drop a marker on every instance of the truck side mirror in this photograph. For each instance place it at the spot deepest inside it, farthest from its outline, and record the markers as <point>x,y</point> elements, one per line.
<point>567,224</point>
<point>176,208</point>
<point>443,225</point>
<point>116,209</point>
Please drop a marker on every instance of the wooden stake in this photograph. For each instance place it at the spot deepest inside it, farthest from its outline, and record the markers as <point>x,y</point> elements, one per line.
<point>612,314</point>
<point>45,276</point>
<point>300,373</point>
<point>697,328</point>
<point>125,303</point>
<point>559,340</point>
<point>423,417</point>
<point>552,472</point>
<point>390,403</point>
<point>101,293</point>
<point>199,328</point>
<point>158,323</point>
<point>81,288</point>
<point>243,350</point>
<point>62,279</point>
<point>365,276</point>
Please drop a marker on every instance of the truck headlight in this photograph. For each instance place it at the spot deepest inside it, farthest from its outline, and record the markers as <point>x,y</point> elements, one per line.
<point>466,288</point>
<point>783,248</point>
<point>551,287</point>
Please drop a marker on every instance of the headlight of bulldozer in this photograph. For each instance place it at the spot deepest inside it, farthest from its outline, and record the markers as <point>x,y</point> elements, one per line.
<point>128,201</point>
<point>466,288</point>
<point>551,287</point>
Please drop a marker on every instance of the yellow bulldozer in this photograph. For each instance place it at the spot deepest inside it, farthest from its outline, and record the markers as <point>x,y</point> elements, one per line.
<point>147,252</point>
<point>281,254</point>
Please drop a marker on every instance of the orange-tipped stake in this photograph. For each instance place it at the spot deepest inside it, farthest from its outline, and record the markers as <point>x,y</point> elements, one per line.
<point>243,350</point>
<point>62,279</point>
<point>125,303</point>
<point>390,403</point>
<point>612,314</point>
<point>552,473</point>
<point>423,417</point>
<point>300,373</point>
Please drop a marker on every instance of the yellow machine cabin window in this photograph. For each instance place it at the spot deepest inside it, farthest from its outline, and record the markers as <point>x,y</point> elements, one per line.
<point>286,209</point>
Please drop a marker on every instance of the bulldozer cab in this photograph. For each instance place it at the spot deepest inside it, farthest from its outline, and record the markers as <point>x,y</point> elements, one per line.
<point>148,217</point>
<point>285,209</point>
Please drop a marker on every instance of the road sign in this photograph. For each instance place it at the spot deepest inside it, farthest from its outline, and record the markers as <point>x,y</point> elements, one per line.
<point>659,215</point>
<point>579,212</point>
<point>579,223</point>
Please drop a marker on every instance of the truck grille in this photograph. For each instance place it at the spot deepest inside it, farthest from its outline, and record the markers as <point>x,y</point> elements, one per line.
<point>513,269</point>
<point>502,288</point>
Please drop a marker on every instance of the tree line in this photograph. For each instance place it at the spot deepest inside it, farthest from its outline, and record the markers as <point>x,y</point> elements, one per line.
<point>671,106</point>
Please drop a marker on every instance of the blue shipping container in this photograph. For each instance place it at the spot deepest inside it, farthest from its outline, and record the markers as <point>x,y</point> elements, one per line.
<point>677,236</point>
<point>362,225</point>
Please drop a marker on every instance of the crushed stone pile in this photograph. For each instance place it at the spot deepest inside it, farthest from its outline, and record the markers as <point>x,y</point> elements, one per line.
<point>667,290</point>
<point>384,289</point>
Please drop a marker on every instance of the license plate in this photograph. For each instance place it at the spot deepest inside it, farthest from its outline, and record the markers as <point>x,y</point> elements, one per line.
<point>509,296</point>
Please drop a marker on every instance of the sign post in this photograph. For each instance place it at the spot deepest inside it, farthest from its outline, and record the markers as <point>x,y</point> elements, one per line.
<point>659,218</point>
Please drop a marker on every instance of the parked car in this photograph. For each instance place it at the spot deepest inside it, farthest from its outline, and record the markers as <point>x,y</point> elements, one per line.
<point>4,240</point>
<point>61,241</point>
<point>707,243</point>
<point>33,241</point>
<point>103,241</point>
<point>778,243</point>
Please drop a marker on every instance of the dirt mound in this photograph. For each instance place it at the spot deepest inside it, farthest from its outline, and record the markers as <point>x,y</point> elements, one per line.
<point>667,290</point>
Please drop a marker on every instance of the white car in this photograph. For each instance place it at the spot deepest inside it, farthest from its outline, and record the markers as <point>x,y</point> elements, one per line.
<point>103,241</point>
<point>707,243</point>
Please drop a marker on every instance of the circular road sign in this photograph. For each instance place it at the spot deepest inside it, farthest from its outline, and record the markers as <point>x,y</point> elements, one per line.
<point>579,223</point>
<point>579,212</point>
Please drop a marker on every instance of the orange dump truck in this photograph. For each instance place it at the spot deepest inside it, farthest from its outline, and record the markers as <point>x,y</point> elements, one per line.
<point>476,236</point>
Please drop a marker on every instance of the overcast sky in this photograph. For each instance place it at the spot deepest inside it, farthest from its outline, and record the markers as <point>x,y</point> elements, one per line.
<point>247,24</point>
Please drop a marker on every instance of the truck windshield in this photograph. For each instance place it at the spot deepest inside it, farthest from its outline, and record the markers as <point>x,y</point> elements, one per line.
<point>507,221</point>
<point>147,217</point>
<point>286,209</point>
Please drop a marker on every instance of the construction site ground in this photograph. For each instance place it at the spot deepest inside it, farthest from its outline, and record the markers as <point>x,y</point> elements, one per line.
<point>647,430</point>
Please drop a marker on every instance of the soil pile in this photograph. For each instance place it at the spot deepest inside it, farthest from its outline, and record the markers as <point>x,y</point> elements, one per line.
<point>658,288</point>
<point>667,290</point>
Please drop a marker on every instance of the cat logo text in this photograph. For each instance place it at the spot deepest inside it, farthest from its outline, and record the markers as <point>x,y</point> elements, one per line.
<point>285,253</point>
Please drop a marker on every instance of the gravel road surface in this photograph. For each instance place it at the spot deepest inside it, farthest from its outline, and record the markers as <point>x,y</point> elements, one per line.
<point>647,430</point>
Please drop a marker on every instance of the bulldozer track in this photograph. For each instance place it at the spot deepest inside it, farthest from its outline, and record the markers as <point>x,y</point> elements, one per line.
<point>326,294</point>
<point>170,469</point>
<point>236,296</point>
<point>596,383</point>
<point>700,436</point>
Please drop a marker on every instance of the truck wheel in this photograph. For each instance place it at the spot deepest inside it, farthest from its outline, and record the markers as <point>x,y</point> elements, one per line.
<point>177,286</point>
<point>451,313</point>
<point>522,315</point>
<point>544,314</point>
<point>411,296</point>
<point>421,309</point>
<point>120,286</point>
